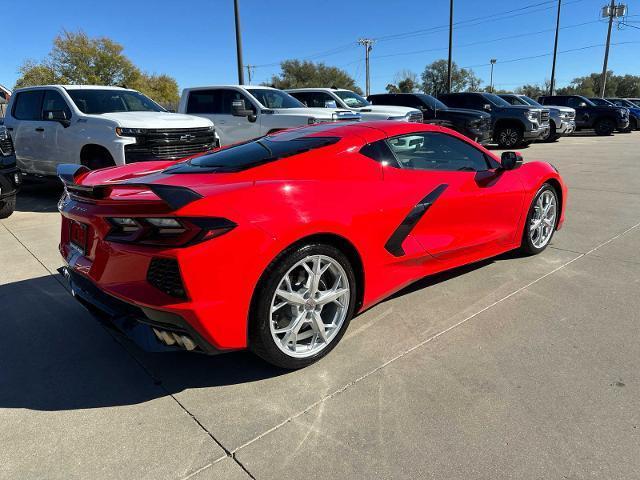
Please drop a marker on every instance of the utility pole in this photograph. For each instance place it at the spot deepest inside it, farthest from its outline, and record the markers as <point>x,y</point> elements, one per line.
<point>368,45</point>
<point>449,73</point>
<point>250,69</point>
<point>612,11</point>
<point>493,62</point>
<point>238,43</point>
<point>555,52</point>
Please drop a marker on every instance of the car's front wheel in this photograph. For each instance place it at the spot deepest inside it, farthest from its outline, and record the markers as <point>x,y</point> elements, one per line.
<point>7,206</point>
<point>509,137</point>
<point>604,126</point>
<point>541,221</point>
<point>303,306</point>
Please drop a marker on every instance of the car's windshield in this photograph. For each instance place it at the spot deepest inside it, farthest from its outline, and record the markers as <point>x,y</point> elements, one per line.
<point>432,102</point>
<point>352,99</point>
<point>496,100</point>
<point>108,101</point>
<point>601,101</point>
<point>274,98</point>
<point>530,101</point>
<point>621,102</point>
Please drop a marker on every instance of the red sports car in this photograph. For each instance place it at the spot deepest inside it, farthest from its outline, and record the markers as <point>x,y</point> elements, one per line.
<point>274,244</point>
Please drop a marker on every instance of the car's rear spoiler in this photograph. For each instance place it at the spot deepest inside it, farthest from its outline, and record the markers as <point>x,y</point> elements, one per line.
<point>173,195</point>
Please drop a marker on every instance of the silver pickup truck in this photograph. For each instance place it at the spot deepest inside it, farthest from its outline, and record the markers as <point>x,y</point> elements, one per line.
<point>562,120</point>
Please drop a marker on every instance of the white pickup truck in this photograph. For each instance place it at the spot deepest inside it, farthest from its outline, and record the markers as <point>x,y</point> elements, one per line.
<point>342,98</point>
<point>244,112</point>
<point>98,126</point>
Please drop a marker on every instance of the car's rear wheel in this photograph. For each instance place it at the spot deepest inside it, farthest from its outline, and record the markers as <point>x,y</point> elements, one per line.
<point>7,206</point>
<point>541,221</point>
<point>604,126</point>
<point>303,306</point>
<point>509,137</point>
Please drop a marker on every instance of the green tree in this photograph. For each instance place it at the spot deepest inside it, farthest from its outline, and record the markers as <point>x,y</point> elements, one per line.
<point>533,90</point>
<point>434,79</point>
<point>405,81</point>
<point>300,74</point>
<point>77,58</point>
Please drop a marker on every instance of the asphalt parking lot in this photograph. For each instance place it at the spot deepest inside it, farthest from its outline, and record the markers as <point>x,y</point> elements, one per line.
<point>509,368</point>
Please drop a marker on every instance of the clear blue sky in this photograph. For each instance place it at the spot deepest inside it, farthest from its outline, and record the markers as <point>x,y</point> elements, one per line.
<point>194,40</point>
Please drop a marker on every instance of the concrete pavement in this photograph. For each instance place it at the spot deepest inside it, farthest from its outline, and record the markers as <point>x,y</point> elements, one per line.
<point>510,368</point>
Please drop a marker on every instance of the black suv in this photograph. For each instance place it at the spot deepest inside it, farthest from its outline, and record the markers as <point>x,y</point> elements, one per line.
<point>10,178</point>
<point>471,123</point>
<point>604,119</point>
<point>513,125</point>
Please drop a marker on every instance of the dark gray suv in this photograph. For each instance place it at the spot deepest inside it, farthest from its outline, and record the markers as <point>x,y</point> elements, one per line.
<point>513,125</point>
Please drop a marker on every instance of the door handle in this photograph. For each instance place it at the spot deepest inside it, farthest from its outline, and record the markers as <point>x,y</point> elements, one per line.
<point>39,129</point>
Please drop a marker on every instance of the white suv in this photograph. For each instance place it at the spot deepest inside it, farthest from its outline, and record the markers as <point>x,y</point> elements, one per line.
<point>244,112</point>
<point>341,98</point>
<point>98,127</point>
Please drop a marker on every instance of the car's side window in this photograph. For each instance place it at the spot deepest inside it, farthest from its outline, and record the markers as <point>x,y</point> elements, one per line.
<point>437,151</point>
<point>53,102</point>
<point>205,101</point>
<point>380,152</point>
<point>231,96</point>
<point>574,102</point>
<point>318,99</point>
<point>28,105</point>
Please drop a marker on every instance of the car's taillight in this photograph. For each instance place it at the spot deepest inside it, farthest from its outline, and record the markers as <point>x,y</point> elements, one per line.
<point>166,231</point>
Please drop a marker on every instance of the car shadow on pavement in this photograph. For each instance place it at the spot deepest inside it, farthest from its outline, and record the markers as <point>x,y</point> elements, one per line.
<point>39,195</point>
<point>55,356</point>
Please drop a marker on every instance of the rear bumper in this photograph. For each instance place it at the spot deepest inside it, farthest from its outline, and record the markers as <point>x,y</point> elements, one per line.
<point>135,322</point>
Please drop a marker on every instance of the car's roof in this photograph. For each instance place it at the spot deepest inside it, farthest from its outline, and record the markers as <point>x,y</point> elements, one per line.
<point>80,87</point>
<point>250,87</point>
<point>315,89</point>
<point>380,129</point>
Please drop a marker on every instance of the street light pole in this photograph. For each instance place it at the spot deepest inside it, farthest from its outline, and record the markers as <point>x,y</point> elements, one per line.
<point>493,62</point>
<point>555,52</point>
<point>449,72</point>
<point>238,44</point>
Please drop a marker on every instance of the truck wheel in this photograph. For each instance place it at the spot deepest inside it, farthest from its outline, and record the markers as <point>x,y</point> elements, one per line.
<point>509,137</point>
<point>551,136</point>
<point>95,157</point>
<point>604,126</point>
<point>8,206</point>
<point>633,124</point>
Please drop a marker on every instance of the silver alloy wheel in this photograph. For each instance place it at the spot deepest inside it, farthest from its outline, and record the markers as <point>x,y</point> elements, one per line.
<point>509,137</point>
<point>543,220</point>
<point>309,306</point>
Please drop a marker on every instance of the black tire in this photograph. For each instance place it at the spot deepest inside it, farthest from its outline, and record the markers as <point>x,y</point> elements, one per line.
<point>604,126</point>
<point>509,136</point>
<point>526,246</point>
<point>551,136</point>
<point>7,206</point>
<point>261,341</point>
<point>633,123</point>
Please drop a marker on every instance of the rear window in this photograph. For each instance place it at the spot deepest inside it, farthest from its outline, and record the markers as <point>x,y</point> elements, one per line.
<point>251,154</point>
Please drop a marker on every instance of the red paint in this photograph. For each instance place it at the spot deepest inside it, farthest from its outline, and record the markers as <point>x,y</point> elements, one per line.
<point>334,190</point>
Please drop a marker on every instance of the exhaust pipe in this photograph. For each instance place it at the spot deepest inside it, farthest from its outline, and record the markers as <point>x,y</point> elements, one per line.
<point>173,338</point>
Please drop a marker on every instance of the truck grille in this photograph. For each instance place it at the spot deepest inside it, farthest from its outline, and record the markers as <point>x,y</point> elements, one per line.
<point>415,117</point>
<point>169,144</point>
<point>544,116</point>
<point>6,146</point>
<point>164,274</point>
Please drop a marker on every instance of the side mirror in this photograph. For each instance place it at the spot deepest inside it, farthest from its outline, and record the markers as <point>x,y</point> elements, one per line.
<point>487,107</point>
<point>510,160</point>
<point>238,109</point>
<point>57,116</point>
<point>582,104</point>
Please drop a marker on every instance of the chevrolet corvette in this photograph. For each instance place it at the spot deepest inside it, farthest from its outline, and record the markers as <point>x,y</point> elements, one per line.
<point>276,243</point>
